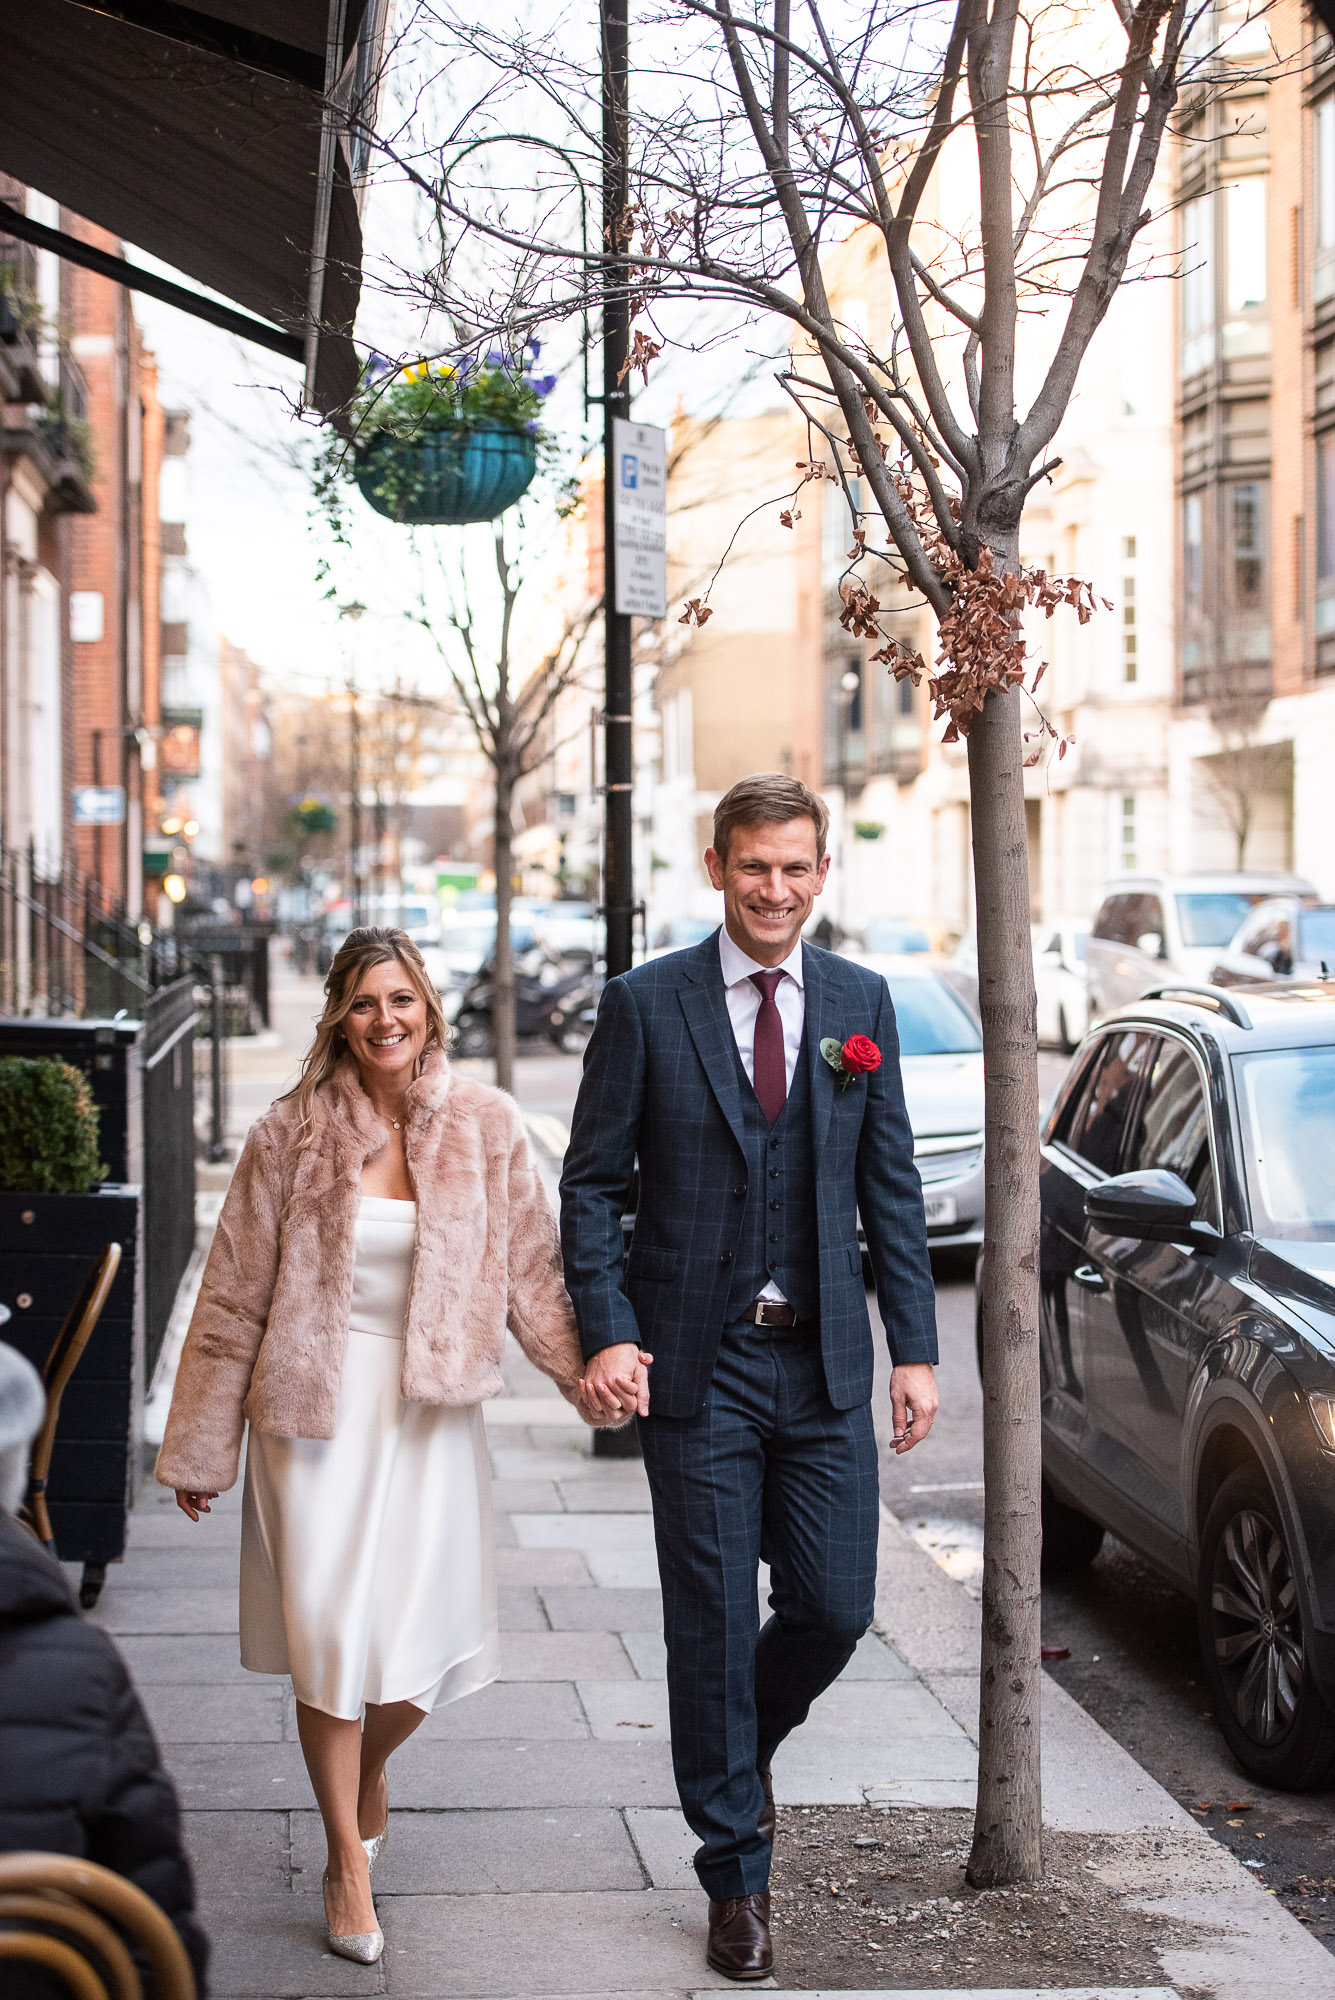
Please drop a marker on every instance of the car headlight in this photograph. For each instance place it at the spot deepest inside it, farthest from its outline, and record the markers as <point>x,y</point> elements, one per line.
<point>1323,1416</point>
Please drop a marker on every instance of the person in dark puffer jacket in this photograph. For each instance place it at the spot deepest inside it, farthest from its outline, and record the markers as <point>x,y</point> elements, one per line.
<point>80,1771</point>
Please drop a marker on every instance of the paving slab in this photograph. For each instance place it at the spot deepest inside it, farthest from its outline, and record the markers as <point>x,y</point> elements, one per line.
<point>520,1609</point>
<point>239,1853</point>
<point>564,1656</point>
<point>620,1710</point>
<point>528,1496</point>
<point>250,1711</point>
<point>489,1852</point>
<point>595,1610</point>
<point>565,1567</point>
<point>193,1658</point>
<point>665,1845</point>
<point>647,1653</point>
<point>618,1548</point>
<point>587,1496</point>
<point>510,1460</point>
<point>526,1710</point>
<point>444,1947</point>
<point>174,1567</point>
<point>151,1609</point>
<point>507,1413</point>
<point>272,1948</point>
<point>985,1993</point>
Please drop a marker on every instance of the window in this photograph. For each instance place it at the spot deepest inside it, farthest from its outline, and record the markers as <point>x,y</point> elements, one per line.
<point>1193,553</point>
<point>1248,546</point>
<point>1245,229</point>
<point>1126,831</point>
<point>1208,919</point>
<point>1102,1109</point>
<point>1288,1112</point>
<point>1325,531</point>
<point>1323,175</point>
<point>1197,285</point>
<point>1128,548</point>
<point>1129,634</point>
<point>1173,1130</point>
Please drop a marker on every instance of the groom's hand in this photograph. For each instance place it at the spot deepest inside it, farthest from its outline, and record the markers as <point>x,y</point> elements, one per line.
<point>913,1402</point>
<point>615,1382</point>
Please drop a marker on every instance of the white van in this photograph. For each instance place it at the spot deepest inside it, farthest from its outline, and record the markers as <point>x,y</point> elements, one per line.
<point>1154,930</point>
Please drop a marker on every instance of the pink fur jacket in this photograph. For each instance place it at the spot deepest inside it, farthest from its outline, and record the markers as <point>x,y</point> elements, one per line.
<point>269,1332</point>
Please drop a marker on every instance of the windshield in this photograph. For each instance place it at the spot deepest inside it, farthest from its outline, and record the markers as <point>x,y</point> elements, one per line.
<point>931,1021</point>
<point>1211,919</point>
<point>1316,937</point>
<point>1288,1116</point>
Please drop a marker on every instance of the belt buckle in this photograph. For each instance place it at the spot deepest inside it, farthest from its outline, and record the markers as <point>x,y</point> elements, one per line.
<point>763,1309</point>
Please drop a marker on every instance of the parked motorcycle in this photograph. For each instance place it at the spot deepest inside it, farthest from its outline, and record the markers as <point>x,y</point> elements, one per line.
<point>550,999</point>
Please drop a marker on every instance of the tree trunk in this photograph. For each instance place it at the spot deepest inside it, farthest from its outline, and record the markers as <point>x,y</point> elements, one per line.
<point>503,978</point>
<point>1007,1843</point>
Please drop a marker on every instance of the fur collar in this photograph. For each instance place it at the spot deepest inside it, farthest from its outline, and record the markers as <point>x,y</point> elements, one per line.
<point>347,1131</point>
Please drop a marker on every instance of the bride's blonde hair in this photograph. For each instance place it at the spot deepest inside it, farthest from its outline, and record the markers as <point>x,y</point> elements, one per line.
<point>373,944</point>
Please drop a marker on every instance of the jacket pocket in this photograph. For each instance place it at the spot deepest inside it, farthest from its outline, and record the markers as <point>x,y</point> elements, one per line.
<point>648,1261</point>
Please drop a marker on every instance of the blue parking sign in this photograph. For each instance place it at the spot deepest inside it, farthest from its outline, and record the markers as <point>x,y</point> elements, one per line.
<point>630,470</point>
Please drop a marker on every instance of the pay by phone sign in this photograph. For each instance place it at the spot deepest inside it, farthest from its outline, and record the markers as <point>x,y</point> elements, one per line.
<point>640,502</point>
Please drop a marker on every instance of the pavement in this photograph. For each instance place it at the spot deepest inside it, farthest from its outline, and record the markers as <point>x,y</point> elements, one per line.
<point>537,1849</point>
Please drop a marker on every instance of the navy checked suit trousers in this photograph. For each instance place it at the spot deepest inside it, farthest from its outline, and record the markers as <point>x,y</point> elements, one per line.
<point>769,1470</point>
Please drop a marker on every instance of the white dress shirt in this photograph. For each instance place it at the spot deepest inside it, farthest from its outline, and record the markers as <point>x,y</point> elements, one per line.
<point>744,1006</point>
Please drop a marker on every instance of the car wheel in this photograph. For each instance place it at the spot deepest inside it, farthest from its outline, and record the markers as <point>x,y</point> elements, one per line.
<point>1255,1641</point>
<point>472,1036</point>
<point>1071,1540</point>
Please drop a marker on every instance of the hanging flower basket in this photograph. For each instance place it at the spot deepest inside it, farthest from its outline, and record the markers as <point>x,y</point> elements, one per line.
<point>446,478</point>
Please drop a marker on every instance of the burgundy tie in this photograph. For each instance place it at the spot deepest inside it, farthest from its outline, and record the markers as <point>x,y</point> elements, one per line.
<point>770,1070</point>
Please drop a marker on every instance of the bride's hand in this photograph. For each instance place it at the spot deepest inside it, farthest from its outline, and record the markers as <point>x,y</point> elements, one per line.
<point>194,1504</point>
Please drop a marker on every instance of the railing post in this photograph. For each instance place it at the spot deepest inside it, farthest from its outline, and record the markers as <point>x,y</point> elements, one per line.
<point>217,1001</point>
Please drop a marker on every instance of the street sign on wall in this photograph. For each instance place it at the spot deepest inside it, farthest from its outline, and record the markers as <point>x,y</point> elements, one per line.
<point>99,805</point>
<point>640,512</point>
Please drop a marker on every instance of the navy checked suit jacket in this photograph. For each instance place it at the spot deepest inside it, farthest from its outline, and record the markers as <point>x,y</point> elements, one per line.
<point>661,1086</point>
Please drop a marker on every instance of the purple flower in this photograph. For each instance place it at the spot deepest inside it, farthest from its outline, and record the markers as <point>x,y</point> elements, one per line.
<point>376,364</point>
<point>535,347</point>
<point>532,426</point>
<point>543,386</point>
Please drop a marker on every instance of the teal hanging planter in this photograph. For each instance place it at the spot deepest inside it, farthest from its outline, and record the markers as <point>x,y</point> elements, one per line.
<point>446,478</point>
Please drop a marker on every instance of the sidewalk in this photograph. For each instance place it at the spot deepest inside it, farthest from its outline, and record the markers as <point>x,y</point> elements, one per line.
<point>536,1846</point>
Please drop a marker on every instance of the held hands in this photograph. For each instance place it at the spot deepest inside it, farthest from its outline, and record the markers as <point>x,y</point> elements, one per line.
<point>194,1504</point>
<point>615,1384</point>
<point>913,1402</point>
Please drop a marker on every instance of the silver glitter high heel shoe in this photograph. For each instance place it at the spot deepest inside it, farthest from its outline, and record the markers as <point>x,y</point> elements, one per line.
<point>363,1947</point>
<point>375,1846</point>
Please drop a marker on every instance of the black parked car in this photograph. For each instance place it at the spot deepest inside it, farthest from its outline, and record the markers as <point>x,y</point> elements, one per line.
<point>1188,1338</point>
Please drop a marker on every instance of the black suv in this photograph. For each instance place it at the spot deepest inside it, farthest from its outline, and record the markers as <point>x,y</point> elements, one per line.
<point>1188,1338</point>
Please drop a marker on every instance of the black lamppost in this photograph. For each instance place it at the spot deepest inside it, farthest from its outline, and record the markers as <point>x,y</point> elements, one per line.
<point>618,760</point>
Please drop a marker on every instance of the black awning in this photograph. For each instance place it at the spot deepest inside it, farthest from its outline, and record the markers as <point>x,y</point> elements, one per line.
<point>207,136</point>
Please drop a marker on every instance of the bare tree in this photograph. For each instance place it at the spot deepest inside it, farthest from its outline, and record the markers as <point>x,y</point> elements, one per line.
<point>511,719</point>
<point>1245,772</point>
<point>1001,161</point>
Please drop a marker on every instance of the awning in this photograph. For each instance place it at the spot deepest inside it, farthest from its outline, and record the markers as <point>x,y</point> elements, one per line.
<point>224,138</point>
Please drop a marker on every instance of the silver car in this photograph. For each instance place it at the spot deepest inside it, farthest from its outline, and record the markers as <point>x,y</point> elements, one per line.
<point>941,1057</point>
<point>1283,938</point>
<point>1166,930</point>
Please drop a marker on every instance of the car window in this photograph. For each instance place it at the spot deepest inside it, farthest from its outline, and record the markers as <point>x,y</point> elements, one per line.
<point>1211,917</point>
<point>1148,917</point>
<point>1113,920</point>
<point>1287,1100</point>
<point>1316,932</point>
<point>931,1021</point>
<point>1099,1118</point>
<point>1173,1128</point>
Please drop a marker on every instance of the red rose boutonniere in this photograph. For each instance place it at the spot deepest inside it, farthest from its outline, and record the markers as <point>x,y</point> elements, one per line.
<point>858,1056</point>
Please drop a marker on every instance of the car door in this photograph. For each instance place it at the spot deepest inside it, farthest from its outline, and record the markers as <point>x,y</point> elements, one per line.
<point>1148,1315</point>
<point>1088,1132</point>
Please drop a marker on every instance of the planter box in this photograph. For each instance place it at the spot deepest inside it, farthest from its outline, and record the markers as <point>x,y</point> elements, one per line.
<point>47,1242</point>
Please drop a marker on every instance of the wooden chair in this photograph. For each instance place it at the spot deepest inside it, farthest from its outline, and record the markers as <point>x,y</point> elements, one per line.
<point>66,1352</point>
<point>54,1912</point>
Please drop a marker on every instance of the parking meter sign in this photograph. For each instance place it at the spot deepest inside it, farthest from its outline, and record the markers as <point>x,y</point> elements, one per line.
<point>640,513</point>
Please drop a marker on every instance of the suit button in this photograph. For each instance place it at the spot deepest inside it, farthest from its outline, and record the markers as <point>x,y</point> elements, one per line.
<point>773,1144</point>
<point>740,1192</point>
<point>774,1173</point>
<point>774,1204</point>
<point>726,1257</point>
<point>774,1236</point>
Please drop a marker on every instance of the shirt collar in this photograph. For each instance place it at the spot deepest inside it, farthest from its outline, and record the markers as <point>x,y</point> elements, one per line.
<point>737,966</point>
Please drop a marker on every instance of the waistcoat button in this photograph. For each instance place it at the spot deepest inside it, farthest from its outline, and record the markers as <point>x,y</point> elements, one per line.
<point>774,1204</point>
<point>726,1257</point>
<point>740,1190</point>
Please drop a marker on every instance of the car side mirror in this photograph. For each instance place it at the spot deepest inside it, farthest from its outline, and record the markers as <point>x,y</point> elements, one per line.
<point>1153,1206</point>
<point>1151,943</point>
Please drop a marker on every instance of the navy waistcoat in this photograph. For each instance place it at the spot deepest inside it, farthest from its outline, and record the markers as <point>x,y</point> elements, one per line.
<point>778,1237</point>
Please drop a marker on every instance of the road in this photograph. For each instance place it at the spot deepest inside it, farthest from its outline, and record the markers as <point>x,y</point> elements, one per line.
<point>1132,1636</point>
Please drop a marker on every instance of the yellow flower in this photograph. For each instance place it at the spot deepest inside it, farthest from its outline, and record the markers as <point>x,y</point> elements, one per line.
<point>416,373</point>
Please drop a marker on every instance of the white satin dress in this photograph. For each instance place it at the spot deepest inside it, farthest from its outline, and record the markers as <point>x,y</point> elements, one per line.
<point>367,1565</point>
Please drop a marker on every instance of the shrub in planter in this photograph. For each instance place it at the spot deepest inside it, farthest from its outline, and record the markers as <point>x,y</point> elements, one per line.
<point>48,1127</point>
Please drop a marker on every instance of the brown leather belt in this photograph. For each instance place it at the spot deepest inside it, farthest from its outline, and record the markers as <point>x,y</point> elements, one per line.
<point>771,1312</point>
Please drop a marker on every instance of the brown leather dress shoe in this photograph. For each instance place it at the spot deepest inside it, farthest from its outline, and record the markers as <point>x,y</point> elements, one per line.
<point>767,1822</point>
<point>739,1941</point>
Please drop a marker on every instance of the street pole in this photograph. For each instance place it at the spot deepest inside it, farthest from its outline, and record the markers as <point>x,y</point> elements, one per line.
<point>618,758</point>
<point>618,766</point>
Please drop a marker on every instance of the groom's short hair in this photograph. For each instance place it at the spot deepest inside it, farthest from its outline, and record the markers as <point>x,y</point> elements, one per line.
<point>768,798</point>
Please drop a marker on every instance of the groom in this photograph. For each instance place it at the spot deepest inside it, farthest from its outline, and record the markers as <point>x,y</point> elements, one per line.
<point>715,1069</point>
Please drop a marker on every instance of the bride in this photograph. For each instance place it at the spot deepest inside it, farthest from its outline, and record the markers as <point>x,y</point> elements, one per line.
<point>383,1227</point>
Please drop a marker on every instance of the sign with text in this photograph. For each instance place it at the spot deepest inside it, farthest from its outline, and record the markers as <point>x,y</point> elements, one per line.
<point>640,514</point>
<point>99,805</point>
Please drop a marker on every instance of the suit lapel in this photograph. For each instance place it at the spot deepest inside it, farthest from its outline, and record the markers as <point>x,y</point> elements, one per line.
<point>704,1002</point>
<point>818,1024</point>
